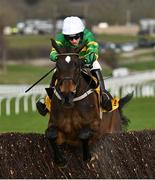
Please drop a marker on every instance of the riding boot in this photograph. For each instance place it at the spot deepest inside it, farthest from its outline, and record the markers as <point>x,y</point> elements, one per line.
<point>41,107</point>
<point>106,97</point>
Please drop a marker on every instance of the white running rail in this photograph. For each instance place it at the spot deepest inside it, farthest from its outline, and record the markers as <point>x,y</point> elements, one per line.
<point>17,92</point>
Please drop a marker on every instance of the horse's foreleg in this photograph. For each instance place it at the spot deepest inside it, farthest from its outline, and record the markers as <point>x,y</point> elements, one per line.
<point>84,136</point>
<point>51,134</point>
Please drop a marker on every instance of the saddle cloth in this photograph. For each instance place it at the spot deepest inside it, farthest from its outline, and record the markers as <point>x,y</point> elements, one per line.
<point>115,101</point>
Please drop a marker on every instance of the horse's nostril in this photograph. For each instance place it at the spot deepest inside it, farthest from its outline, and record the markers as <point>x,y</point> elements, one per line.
<point>67,86</point>
<point>67,100</point>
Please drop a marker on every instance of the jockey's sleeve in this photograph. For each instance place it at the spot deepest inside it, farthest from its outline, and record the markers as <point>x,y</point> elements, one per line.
<point>92,51</point>
<point>53,53</point>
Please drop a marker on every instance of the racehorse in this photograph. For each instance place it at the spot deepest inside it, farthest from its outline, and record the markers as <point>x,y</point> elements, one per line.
<point>75,116</point>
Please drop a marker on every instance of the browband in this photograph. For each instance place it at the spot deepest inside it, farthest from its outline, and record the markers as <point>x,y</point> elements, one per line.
<point>68,54</point>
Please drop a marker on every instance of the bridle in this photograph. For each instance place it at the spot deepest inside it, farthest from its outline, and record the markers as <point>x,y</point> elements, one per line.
<point>77,83</point>
<point>68,54</point>
<point>70,78</point>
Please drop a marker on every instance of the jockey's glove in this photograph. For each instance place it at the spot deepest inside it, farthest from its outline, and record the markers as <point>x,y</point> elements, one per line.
<point>54,56</point>
<point>90,58</point>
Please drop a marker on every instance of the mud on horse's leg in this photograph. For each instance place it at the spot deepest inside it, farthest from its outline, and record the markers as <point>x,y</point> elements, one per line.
<point>84,136</point>
<point>51,134</point>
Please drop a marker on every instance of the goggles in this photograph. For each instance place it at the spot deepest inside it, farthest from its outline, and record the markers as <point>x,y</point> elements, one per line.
<point>71,37</point>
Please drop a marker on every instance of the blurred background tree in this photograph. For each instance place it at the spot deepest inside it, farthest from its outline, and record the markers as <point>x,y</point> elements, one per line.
<point>2,47</point>
<point>32,2</point>
<point>110,58</point>
<point>111,11</point>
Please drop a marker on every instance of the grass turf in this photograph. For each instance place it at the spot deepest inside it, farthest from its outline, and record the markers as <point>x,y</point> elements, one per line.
<point>24,74</point>
<point>140,111</point>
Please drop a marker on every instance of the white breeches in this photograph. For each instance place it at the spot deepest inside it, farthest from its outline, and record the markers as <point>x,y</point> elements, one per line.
<point>96,66</point>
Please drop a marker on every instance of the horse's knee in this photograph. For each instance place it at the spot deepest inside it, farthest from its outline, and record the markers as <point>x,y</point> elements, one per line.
<point>84,136</point>
<point>51,133</point>
<point>85,133</point>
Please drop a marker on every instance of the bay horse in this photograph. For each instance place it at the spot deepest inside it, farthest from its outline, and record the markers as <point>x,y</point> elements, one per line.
<point>75,116</point>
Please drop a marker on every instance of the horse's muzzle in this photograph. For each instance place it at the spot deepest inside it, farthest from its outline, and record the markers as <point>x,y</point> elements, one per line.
<point>67,85</point>
<point>67,100</point>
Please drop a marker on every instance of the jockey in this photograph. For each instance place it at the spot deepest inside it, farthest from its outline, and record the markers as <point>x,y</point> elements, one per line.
<point>73,34</point>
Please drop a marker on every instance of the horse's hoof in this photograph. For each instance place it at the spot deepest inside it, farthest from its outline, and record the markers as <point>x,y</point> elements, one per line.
<point>94,157</point>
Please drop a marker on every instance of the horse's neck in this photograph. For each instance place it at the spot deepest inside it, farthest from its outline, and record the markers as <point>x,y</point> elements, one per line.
<point>83,86</point>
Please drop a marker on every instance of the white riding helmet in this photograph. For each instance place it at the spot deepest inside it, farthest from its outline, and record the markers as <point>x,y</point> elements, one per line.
<point>72,25</point>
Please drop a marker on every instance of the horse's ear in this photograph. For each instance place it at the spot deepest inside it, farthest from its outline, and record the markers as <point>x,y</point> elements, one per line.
<point>78,49</point>
<point>54,44</point>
